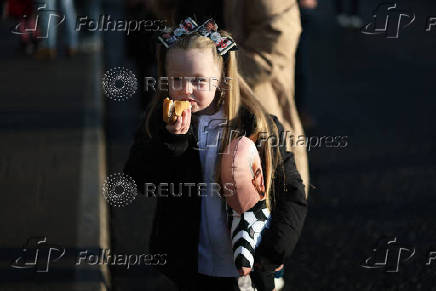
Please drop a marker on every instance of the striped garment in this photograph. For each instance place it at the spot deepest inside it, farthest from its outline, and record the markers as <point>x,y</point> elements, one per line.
<point>246,232</point>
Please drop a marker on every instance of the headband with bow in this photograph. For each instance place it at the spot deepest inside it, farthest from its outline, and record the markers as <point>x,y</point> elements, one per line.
<point>209,29</point>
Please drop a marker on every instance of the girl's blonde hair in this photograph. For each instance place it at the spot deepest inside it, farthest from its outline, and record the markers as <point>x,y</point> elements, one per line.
<point>238,94</point>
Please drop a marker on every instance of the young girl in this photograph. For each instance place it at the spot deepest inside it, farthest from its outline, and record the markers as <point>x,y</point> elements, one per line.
<point>182,163</point>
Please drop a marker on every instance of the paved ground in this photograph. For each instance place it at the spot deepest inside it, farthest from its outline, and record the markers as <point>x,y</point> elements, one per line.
<point>380,94</point>
<point>51,165</point>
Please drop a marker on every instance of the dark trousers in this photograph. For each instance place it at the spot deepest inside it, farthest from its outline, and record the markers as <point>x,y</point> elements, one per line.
<point>263,281</point>
<point>209,283</point>
<point>353,9</point>
<point>199,282</point>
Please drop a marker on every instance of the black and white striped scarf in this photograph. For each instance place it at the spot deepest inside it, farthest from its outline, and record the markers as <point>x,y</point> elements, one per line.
<point>246,232</point>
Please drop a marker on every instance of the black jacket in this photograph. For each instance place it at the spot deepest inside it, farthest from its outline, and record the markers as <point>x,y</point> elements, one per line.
<point>170,158</point>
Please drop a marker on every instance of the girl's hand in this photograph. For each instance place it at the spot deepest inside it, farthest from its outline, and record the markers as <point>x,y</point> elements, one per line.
<point>244,272</point>
<point>309,4</point>
<point>182,124</point>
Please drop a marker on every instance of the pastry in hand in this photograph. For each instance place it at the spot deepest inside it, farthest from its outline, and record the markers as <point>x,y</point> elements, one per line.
<point>174,108</point>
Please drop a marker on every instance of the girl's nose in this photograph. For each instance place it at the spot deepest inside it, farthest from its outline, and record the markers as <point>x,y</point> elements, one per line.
<point>188,87</point>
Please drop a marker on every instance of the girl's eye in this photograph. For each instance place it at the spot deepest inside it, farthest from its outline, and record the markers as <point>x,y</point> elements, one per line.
<point>200,81</point>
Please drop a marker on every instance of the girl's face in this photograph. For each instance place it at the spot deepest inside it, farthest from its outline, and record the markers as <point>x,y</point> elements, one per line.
<point>193,75</point>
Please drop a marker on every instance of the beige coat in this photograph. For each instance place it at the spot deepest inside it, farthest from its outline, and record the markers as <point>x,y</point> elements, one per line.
<point>267,33</point>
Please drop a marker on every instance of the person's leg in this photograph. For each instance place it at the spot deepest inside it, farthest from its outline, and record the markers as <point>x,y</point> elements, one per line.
<point>262,280</point>
<point>341,16</point>
<point>67,7</point>
<point>356,21</point>
<point>300,68</point>
<point>354,7</point>
<point>91,41</point>
<point>230,283</point>
<point>210,283</point>
<point>339,8</point>
<point>47,22</point>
